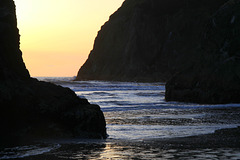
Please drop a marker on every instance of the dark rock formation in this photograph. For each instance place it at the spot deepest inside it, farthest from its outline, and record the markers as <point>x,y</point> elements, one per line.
<point>148,40</point>
<point>197,42</point>
<point>11,63</point>
<point>215,78</point>
<point>33,109</point>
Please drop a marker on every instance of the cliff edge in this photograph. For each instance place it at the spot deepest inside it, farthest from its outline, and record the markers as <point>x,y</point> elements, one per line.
<point>148,40</point>
<point>33,109</point>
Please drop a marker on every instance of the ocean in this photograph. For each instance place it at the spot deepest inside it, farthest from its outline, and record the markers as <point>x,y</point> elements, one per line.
<point>137,115</point>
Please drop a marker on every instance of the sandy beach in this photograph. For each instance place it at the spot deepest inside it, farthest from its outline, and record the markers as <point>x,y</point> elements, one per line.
<point>223,144</point>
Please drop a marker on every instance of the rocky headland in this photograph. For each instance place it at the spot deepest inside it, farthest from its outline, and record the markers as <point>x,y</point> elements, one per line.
<point>148,40</point>
<point>192,45</point>
<point>33,109</point>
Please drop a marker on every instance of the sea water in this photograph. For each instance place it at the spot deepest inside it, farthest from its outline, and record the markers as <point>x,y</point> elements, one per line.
<point>135,112</point>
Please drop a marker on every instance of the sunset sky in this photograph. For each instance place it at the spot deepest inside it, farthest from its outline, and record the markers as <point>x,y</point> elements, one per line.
<point>57,35</point>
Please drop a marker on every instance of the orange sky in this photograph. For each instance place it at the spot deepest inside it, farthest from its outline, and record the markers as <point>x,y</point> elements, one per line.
<point>57,35</point>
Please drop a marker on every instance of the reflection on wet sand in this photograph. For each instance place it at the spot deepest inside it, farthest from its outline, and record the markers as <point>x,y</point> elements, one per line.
<point>145,151</point>
<point>181,148</point>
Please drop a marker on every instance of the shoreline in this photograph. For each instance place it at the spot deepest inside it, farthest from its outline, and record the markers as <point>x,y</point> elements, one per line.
<point>222,138</point>
<point>228,137</point>
<point>220,144</point>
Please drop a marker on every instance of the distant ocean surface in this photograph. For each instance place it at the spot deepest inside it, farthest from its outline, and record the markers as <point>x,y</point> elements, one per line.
<point>137,112</point>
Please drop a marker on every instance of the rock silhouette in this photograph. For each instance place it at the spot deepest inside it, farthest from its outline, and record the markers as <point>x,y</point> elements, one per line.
<point>215,78</point>
<point>192,45</point>
<point>148,40</point>
<point>35,109</point>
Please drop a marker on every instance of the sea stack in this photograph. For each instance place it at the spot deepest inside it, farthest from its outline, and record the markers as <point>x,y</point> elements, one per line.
<point>35,109</point>
<point>148,40</point>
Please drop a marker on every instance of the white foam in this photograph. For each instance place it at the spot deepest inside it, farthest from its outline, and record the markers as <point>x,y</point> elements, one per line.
<point>26,151</point>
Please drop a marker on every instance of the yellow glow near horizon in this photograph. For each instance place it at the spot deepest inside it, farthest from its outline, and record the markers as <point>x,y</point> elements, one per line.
<point>57,35</point>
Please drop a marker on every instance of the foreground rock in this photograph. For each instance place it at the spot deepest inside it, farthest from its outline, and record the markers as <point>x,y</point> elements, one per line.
<point>33,109</point>
<point>148,40</point>
<point>215,78</point>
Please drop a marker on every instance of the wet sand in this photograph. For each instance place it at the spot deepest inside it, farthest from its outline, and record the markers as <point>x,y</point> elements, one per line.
<point>223,144</point>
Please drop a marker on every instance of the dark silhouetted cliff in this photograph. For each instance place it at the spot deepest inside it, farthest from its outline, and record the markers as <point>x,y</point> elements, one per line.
<point>33,109</point>
<point>11,63</point>
<point>148,40</point>
<point>215,78</point>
